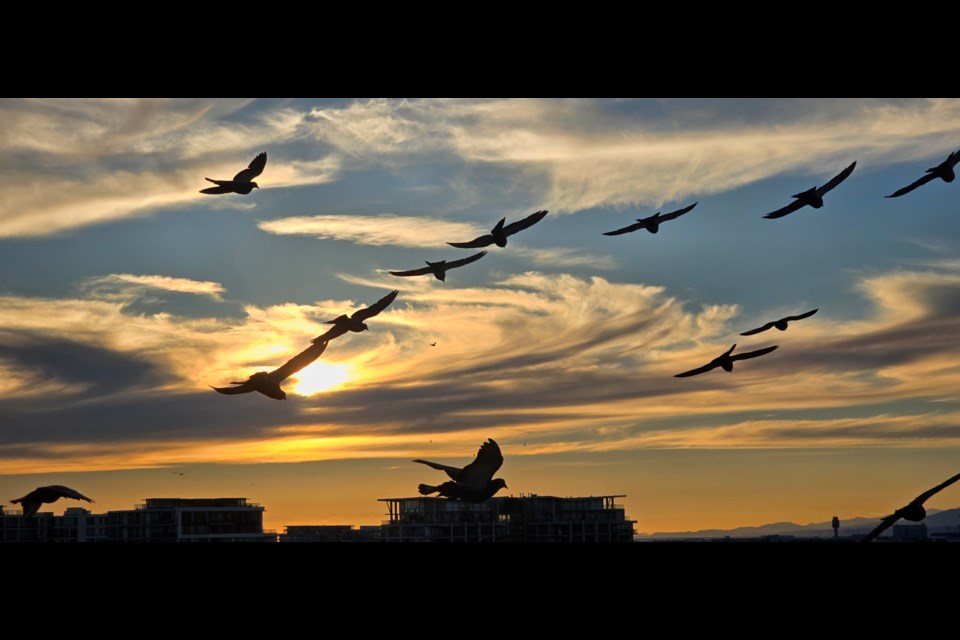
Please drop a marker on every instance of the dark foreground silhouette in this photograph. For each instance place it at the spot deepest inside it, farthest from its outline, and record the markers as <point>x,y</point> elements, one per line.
<point>812,197</point>
<point>45,495</point>
<point>914,512</point>
<point>439,269</point>
<point>500,233</point>
<point>474,482</point>
<point>725,361</point>
<point>242,183</point>
<point>268,382</point>
<point>944,171</point>
<point>652,224</point>
<point>780,324</point>
<point>355,322</point>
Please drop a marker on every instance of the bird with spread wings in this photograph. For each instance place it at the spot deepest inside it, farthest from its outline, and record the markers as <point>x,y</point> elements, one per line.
<point>652,223</point>
<point>914,512</point>
<point>439,269</point>
<point>242,183</point>
<point>499,234</point>
<point>944,171</point>
<point>474,482</point>
<point>355,322</point>
<point>268,382</point>
<point>780,324</point>
<point>725,361</point>
<point>32,501</point>
<point>812,197</point>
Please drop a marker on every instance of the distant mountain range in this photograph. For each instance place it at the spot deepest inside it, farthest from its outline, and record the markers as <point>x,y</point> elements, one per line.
<point>937,520</point>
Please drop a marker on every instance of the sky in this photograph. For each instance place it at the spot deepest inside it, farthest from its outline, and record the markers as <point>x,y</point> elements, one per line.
<point>125,294</point>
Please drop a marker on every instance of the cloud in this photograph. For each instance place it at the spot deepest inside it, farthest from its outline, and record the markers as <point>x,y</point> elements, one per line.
<point>383,229</point>
<point>126,285</point>
<point>583,153</point>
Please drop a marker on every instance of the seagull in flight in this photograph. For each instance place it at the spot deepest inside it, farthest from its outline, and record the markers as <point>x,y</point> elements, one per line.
<point>725,361</point>
<point>355,322</point>
<point>944,171</point>
<point>780,324</point>
<point>268,382</point>
<point>813,196</point>
<point>500,233</point>
<point>914,512</point>
<point>651,224</point>
<point>439,269</point>
<point>474,482</point>
<point>242,183</point>
<point>32,501</point>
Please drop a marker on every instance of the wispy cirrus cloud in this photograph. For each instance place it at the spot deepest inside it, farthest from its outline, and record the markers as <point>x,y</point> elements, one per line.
<point>125,285</point>
<point>379,230</point>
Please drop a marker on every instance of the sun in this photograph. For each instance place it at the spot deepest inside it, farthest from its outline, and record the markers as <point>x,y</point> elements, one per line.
<point>319,377</point>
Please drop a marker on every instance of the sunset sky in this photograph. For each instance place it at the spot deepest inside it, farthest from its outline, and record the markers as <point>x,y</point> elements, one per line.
<point>124,293</point>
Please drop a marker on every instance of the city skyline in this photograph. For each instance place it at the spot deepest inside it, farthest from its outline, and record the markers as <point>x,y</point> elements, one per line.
<point>124,293</point>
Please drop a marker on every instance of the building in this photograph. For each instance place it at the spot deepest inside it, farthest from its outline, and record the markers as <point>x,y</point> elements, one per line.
<point>157,520</point>
<point>330,533</point>
<point>910,532</point>
<point>529,518</point>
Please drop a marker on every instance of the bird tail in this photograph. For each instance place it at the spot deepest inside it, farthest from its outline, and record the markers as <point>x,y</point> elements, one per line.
<point>17,501</point>
<point>426,489</point>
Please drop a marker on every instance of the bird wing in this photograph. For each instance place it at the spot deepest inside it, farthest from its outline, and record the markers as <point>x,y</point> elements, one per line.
<point>913,185</point>
<point>244,387</point>
<point>837,179</point>
<point>29,505</point>
<point>755,354</point>
<point>459,263</point>
<point>953,158</point>
<point>802,315</point>
<point>216,190</point>
<point>299,361</point>
<point>412,272</point>
<point>885,524</point>
<point>252,171</point>
<point>695,372</point>
<point>676,214</point>
<point>453,472</point>
<point>754,332</point>
<point>376,307</point>
<point>520,225</point>
<point>926,495</point>
<point>488,461</point>
<point>476,243</point>
<point>628,229</point>
<point>67,492</point>
<point>334,332</point>
<point>787,210</point>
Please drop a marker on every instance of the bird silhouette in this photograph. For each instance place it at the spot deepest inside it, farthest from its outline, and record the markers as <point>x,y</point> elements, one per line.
<point>812,197</point>
<point>433,344</point>
<point>725,361</point>
<point>268,382</point>
<point>32,501</point>
<point>474,482</point>
<point>780,324</point>
<point>242,183</point>
<point>355,322</point>
<point>944,171</point>
<point>439,269</point>
<point>914,512</point>
<point>500,233</point>
<point>652,224</point>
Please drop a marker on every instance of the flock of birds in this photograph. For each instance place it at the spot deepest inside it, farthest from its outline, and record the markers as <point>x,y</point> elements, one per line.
<point>475,482</point>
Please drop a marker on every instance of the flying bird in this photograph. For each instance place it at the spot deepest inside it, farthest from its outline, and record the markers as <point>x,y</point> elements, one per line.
<point>242,183</point>
<point>474,482</point>
<point>651,224</point>
<point>355,322</point>
<point>944,171</point>
<point>500,233</point>
<point>439,269</point>
<point>813,196</point>
<point>780,324</point>
<point>32,501</point>
<point>725,361</point>
<point>914,512</point>
<point>268,382</point>
<point>433,344</point>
